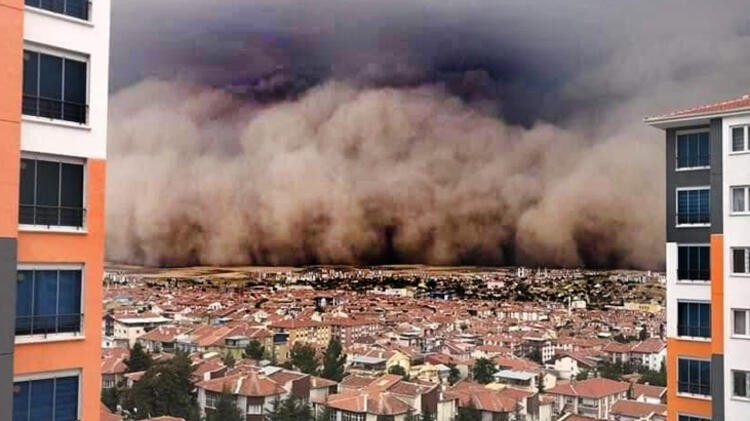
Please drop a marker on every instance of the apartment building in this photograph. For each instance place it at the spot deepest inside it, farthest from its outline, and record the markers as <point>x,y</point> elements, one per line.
<point>708,256</point>
<point>53,125</point>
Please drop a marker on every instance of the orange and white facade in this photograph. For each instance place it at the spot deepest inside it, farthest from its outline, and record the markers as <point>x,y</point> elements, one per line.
<point>53,137</point>
<point>708,260</point>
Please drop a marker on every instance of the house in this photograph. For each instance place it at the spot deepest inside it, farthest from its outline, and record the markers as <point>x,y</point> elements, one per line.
<point>114,366</point>
<point>648,393</point>
<point>505,404</point>
<point>351,329</point>
<point>303,330</point>
<point>627,410</point>
<point>568,365</point>
<point>650,354</point>
<point>126,329</point>
<point>162,338</point>
<point>253,392</point>
<point>592,397</point>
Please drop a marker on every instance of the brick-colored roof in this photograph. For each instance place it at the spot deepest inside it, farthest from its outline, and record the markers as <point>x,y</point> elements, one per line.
<point>251,384</point>
<point>370,402</point>
<point>648,390</point>
<point>592,388</point>
<point>106,415</point>
<point>650,346</point>
<point>735,104</point>
<point>295,324</point>
<point>637,409</point>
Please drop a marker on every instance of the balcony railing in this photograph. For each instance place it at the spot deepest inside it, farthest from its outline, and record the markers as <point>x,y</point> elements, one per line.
<point>52,215</point>
<point>48,324</point>
<point>694,331</point>
<point>684,218</point>
<point>693,275</point>
<point>55,108</point>
<point>694,388</point>
<point>80,9</point>
<point>692,161</point>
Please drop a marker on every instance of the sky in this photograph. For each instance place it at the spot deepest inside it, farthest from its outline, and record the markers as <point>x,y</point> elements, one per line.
<point>415,131</point>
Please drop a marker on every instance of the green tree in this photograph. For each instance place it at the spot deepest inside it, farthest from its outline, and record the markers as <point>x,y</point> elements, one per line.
<point>139,360</point>
<point>468,413</point>
<point>656,378</point>
<point>397,370</point>
<point>325,414</point>
<point>427,416</point>
<point>582,375</point>
<point>536,356</point>
<point>111,398</point>
<point>333,361</point>
<point>226,409</point>
<point>454,376</point>
<point>254,350</point>
<point>483,370</point>
<point>165,389</point>
<point>643,334</point>
<point>229,360</point>
<point>303,358</point>
<point>290,409</point>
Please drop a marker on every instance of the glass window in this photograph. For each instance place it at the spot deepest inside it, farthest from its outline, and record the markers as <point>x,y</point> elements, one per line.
<point>740,383</point>
<point>739,199</point>
<point>54,87</point>
<point>740,322</point>
<point>694,377</point>
<point>693,263</point>
<point>738,139</point>
<point>48,399</point>
<point>74,8</point>
<point>694,319</point>
<point>693,206</point>
<point>692,418</point>
<point>51,193</point>
<point>693,150</point>
<point>740,260</point>
<point>48,301</point>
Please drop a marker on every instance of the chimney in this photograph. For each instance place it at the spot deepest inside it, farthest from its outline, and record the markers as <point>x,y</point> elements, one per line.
<point>366,399</point>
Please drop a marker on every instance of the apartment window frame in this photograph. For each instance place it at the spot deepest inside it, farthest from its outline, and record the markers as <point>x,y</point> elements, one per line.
<point>686,417</point>
<point>745,139</point>
<point>746,384</point>
<point>745,197</point>
<point>745,261</point>
<point>699,385</point>
<point>83,162</point>
<point>696,165</point>
<point>52,376</point>
<point>679,190</point>
<point>254,409</point>
<point>690,272</point>
<point>65,55</point>
<point>57,336</point>
<point>745,334</point>
<point>352,416</point>
<point>699,332</point>
<point>85,16</point>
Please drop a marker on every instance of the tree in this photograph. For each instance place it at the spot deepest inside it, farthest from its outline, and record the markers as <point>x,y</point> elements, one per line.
<point>454,376</point>
<point>540,383</point>
<point>397,370</point>
<point>139,360</point>
<point>427,416</point>
<point>483,370</point>
<point>468,413</point>
<point>536,356</point>
<point>229,360</point>
<point>165,389</point>
<point>226,409</point>
<point>325,414</point>
<point>290,409</point>
<point>254,350</point>
<point>111,398</point>
<point>582,375</point>
<point>303,357</point>
<point>643,334</point>
<point>333,361</point>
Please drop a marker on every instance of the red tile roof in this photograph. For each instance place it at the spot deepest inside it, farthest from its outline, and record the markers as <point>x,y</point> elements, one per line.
<point>648,390</point>
<point>106,415</point>
<point>593,388</point>
<point>251,384</point>
<point>637,409</point>
<point>371,402</point>
<point>736,104</point>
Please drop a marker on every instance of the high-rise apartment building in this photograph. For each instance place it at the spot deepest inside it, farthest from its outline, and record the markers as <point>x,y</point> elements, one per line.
<point>53,134</point>
<point>708,260</point>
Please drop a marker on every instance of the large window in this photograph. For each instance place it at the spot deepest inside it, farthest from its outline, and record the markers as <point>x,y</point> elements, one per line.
<point>51,193</point>
<point>740,319</point>
<point>691,418</point>
<point>693,150</point>
<point>693,263</point>
<point>694,319</point>
<point>740,260</point>
<point>741,383</point>
<point>48,302</point>
<point>694,376</point>
<point>739,199</point>
<point>54,399</point>
<point>75,8</point>
<point>740,141</point>
<point>54,87</point>
<point>693,206</point>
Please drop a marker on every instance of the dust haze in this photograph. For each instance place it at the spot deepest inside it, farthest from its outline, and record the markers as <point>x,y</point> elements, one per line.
<point>370,132</point>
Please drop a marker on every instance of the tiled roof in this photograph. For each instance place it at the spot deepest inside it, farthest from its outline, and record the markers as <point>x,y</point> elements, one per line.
<point>736,104</point>
<point>650,346</point>
<point>371,402</point>
<point>648,390</point>
<point>592,388</point>
<point>106,415</point>
<point>637,409</point>
<point>250,384</point>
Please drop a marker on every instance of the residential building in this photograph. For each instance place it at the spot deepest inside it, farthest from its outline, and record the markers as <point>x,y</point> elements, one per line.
<point>708,243</point>
<point>129,327</point>
<point>53,125</point>
<point>592,398</point>
<point>303,330</point>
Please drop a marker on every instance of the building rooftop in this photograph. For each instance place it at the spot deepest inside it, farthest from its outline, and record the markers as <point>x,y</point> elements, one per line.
<point>716,109</point>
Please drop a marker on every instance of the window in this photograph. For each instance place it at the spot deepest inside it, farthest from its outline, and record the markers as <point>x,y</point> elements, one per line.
<point>740,139</point>
<point>212,399</point>
<point>693,263</point>
<point>352,416</point>
<point>693,150</point>
<point>693,206</point>
<point>46,400</point>
<point>694,376</point>
<point>254,409</point>
<point>48,302</point>
<point>51,193</point>
<point>75,8</point>
<point>740,318</point>
<point>739,199</point>
<point>694,319</point>
<point>740,261</point>
<point>691,418</point>
<point>741,383</point>
<point>54,87</point>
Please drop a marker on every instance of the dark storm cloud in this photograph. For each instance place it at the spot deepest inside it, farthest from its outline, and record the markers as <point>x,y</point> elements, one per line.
<point>318,82</point>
